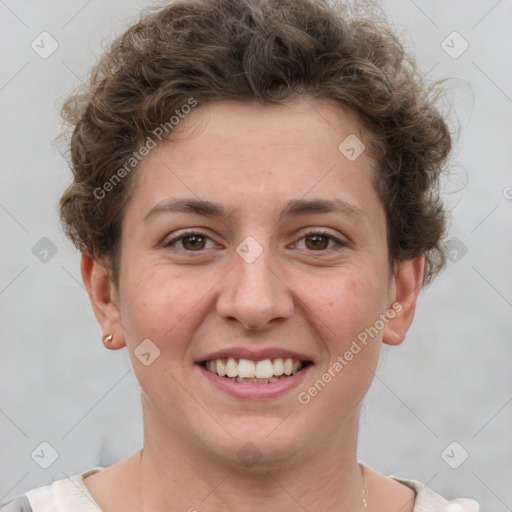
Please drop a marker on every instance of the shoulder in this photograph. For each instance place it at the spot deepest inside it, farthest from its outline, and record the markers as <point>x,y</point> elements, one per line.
<point>428,500</point>
<point>67,495</point>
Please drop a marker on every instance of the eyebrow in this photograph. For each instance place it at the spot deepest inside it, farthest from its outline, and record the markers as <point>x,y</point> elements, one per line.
<point>294,207</point>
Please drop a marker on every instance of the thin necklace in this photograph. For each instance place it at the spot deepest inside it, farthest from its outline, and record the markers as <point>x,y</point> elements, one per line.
<point>365,502</point>
<point>141,500</point>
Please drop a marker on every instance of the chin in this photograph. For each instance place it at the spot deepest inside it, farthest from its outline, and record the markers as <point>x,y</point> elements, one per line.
<point>258,444</point>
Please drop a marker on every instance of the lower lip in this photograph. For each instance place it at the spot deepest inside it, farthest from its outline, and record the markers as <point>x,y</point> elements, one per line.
<point>252,390</point>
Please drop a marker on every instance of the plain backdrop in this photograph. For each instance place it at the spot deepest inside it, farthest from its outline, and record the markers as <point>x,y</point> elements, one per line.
<point>440,400</point>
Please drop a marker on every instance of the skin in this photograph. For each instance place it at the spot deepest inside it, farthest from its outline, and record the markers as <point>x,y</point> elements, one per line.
<point>252,159</point>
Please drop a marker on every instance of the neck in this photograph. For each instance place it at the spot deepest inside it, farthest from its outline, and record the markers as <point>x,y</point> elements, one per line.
<point>177,474</point>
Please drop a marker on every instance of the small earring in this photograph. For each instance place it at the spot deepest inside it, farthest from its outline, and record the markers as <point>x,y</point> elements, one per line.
<point>107,338</point>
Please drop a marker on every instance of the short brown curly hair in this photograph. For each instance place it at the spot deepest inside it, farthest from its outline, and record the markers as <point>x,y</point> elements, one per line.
<point>272,51</point>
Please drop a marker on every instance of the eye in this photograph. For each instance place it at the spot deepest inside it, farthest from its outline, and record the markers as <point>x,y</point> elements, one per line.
<point>319,241</point>
<point>197,241</point>
<point>191,241</point>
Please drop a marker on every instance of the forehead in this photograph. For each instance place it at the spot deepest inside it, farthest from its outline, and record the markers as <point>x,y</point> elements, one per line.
<point>302,127</point>
<point>235,151</point>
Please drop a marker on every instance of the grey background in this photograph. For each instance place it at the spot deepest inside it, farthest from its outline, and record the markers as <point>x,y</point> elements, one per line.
<point>451,379</point>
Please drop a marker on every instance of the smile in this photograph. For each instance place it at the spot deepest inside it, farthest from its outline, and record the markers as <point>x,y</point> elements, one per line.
<point>257,372</point>
<point>259,378</point>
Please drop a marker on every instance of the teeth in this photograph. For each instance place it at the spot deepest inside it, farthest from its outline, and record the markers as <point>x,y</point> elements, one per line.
<point>221,367</point>
<point>264,369</point>
<point>256,381</point>
<point>288,366</point>
<point>231,368</point>
<point>245,370</point>
<point>278,366</point>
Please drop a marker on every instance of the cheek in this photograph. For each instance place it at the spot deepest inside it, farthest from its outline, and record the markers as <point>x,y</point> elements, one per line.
<point>157,305</point>
<point>343,314</point>
<point>346,305</point>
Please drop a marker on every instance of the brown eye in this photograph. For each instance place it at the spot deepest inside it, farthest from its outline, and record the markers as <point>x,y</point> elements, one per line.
<point>190,242</point>
<point>320,242</point>
<point>193,242</point>
<point>317,242</point>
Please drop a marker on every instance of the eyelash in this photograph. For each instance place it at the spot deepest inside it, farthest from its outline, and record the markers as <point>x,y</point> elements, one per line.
<point>341,244</point>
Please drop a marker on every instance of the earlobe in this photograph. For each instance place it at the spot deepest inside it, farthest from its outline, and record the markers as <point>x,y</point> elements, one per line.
<point>102,294</point>
<point>407,285</point>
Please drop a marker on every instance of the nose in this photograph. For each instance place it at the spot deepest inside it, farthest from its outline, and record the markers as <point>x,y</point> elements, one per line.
<point>254,294</point>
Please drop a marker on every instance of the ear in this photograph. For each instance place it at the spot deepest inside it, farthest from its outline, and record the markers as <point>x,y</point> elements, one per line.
<point>104,301</point>
<point>402,301</point>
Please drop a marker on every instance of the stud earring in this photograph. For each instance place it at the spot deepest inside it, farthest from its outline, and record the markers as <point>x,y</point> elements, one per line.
<point>107,338</point>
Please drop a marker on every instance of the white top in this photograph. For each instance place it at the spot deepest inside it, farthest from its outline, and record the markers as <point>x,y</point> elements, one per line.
<point>72,495</point>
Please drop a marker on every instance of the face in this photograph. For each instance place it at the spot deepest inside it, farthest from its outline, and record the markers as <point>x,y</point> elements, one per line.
<point>248,242</point>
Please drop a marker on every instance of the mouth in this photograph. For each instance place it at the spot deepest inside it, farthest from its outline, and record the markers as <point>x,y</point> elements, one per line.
<point>263,371</point>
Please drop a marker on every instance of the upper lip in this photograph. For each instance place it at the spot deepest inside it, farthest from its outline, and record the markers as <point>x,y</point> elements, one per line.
<point>254,355</point>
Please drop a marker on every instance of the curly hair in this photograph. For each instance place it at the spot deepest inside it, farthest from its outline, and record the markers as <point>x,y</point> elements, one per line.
<point>267,50</point>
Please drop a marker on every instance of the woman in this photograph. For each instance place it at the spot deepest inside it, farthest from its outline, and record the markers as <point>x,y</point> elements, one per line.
<point>255,200</point>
